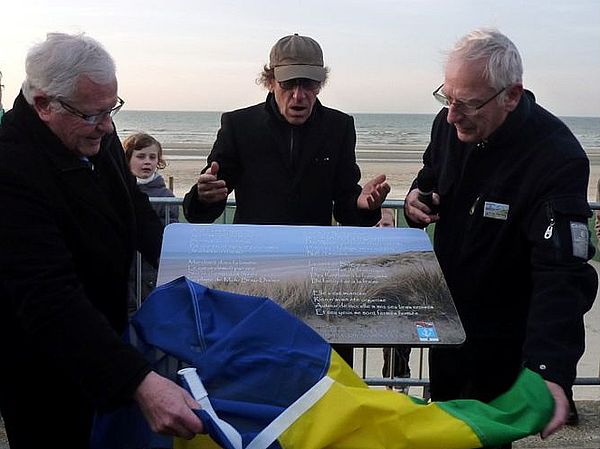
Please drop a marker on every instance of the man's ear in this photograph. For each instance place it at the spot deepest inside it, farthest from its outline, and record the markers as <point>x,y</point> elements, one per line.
<point>42,105</point>
<point>512,97</point>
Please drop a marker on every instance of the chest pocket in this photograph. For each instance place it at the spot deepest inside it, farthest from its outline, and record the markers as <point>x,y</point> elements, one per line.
<point>489,223</point>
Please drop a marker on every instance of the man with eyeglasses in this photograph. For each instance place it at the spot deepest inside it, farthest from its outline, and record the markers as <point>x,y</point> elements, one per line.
<point>511,233</point>
<point>290,160</point>
<point>73,219</point>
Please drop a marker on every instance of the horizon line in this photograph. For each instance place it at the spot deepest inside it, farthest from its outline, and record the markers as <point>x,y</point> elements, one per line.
<point>347,112</point>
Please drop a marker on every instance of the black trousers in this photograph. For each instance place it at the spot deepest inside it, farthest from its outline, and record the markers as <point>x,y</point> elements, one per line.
<point>346,352</point>
<point>480,369</point>
<point>400,360</point>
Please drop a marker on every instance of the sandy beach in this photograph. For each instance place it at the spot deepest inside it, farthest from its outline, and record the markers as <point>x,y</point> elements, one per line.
<point>399,173</point>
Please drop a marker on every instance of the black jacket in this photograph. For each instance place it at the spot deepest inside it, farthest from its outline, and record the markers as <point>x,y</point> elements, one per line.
<point>284,174</point>
<point>154,189</point>
<point>512,237</point>
<point>67,246</point>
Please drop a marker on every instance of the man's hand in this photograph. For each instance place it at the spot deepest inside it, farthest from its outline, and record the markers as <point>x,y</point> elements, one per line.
<point>418,211</point>
<point>211,189</point>
<point>167,407</point>
<point>373,193</point>
<point>561,410</point>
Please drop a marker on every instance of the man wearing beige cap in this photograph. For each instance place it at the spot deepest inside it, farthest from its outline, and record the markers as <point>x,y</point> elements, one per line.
<point>290,160</point>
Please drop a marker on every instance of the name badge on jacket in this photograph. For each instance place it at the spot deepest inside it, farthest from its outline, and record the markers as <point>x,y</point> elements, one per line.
<point>497,211</point>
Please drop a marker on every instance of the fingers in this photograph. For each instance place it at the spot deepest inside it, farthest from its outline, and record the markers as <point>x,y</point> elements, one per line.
<point>379,179</point>
<point>417,211</point>
<point>561,410</point>
<point>383,190</point>
<point>168,407</point>
<point>214,168</point>
<point>211,189</point>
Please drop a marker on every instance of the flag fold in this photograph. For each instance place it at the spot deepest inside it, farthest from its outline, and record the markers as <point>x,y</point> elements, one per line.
<point>276,383</point>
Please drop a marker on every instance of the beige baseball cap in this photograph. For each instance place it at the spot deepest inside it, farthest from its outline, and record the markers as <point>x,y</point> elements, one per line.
<point>297,57</point>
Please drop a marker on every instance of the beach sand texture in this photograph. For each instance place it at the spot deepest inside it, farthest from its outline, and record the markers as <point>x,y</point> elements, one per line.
<point>401,168</point>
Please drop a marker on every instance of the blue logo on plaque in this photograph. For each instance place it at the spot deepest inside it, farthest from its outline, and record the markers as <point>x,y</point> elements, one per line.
<point>426,331</point>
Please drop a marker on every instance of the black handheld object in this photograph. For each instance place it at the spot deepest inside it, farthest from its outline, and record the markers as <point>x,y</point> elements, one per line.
<point>425,185</point>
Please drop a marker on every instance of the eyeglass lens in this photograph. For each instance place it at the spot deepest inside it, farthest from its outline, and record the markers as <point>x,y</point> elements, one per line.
<point>303,83</point>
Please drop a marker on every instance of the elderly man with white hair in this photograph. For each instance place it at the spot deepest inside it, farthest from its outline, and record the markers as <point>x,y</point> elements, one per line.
<point>73,217</point>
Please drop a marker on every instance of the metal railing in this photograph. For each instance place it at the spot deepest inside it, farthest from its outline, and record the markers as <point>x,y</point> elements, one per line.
<point>362,353</point>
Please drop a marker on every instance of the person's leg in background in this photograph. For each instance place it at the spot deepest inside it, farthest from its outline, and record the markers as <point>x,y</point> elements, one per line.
<point>401,368</point>
<point>346,352</point>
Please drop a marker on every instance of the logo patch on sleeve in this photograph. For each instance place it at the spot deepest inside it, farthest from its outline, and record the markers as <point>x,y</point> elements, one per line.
<point>579,239</point>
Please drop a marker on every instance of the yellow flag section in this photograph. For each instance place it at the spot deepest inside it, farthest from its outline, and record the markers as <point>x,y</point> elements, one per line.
<point>350,415</point>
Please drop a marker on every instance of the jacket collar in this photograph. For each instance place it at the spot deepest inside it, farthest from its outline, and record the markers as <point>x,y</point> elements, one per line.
<point>508,131</point>
<point>310,136</point>
<point>273,110</point>
<point>23,120</point>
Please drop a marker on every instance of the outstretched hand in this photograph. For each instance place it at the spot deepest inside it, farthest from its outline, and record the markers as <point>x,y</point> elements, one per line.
<point>210,188</point>
<point>373,193</point>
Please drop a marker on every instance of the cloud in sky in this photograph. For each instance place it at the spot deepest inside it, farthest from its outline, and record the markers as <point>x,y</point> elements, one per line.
<point>384,55</point>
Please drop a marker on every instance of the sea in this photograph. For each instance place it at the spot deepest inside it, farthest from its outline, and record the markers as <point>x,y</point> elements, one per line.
<point>190,135</point>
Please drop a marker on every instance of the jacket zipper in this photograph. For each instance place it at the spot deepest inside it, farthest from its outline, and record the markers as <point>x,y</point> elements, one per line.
<point>550,228</point>
<point>472,210</point>
<point>292,147</point>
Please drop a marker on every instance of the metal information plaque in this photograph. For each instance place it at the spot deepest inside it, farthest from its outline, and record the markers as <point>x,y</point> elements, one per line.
<point>355,285</point>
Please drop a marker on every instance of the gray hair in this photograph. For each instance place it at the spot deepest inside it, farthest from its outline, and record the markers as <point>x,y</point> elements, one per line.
<point>503,66</point>
<point>55,65</point>
<point>267,76</point>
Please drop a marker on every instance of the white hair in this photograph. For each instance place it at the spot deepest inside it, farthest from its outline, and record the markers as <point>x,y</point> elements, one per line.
<point>503,65</point>
<point>55,65</point>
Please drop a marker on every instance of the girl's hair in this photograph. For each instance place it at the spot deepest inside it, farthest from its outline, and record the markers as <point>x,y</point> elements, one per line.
<point>139,141</point>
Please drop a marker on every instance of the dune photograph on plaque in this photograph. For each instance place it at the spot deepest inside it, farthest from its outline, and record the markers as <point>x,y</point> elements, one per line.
<point>354,285</point>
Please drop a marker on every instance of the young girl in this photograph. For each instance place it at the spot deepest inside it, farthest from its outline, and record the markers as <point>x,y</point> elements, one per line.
<point>144,155</point>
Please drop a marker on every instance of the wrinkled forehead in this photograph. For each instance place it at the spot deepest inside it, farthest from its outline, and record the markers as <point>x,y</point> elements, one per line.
<point>95,95</point>
<point>465,79</point>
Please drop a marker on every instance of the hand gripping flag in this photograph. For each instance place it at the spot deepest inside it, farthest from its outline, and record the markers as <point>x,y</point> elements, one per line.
<point>265,379</point>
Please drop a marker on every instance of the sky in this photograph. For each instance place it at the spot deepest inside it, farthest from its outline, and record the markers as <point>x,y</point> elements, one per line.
<point>384,55</point>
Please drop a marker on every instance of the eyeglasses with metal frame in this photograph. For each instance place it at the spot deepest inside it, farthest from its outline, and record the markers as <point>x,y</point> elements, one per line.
<point>303,83</point>
<point>93,119</point>
<point>463,108</point>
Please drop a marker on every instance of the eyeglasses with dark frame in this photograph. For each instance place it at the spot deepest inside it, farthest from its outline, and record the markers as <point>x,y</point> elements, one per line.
<point>93,119</point>
<point>463,108</point>
<point>303,83</point>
